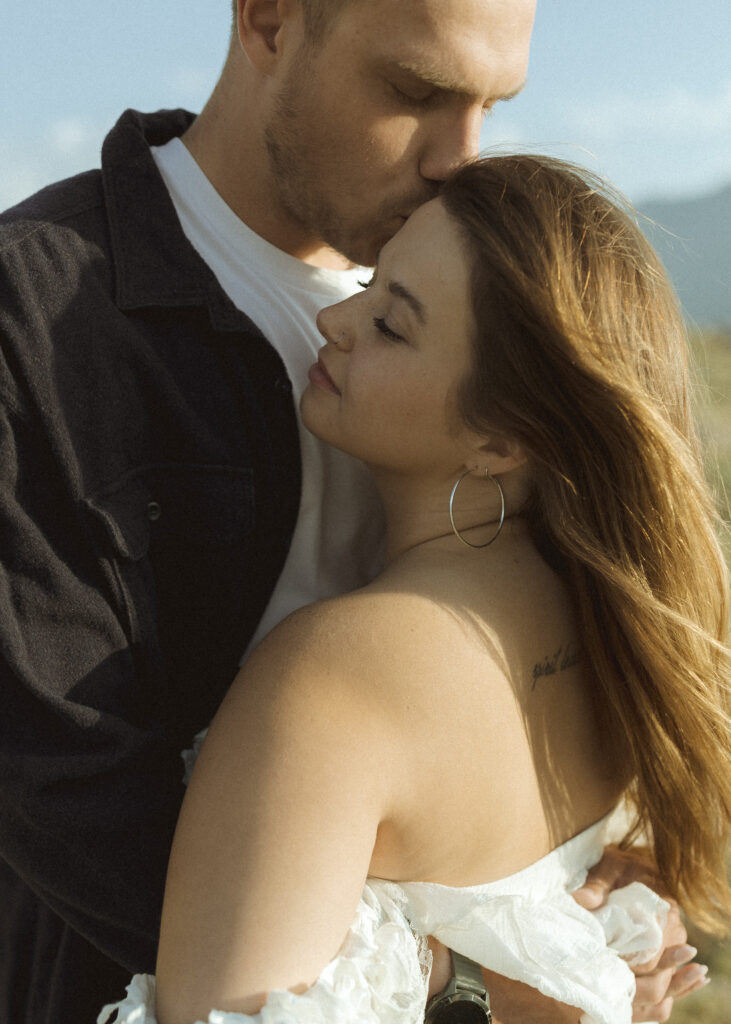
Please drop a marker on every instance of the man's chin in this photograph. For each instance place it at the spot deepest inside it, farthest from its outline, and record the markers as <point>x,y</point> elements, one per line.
<point>362,250</point>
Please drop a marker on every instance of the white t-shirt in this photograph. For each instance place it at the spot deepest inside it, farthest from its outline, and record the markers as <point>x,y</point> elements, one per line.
<point>338,539</point>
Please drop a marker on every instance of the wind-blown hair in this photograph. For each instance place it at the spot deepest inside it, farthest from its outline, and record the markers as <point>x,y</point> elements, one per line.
<point>581,356</point>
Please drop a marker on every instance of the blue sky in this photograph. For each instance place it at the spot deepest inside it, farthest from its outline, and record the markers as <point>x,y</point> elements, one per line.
<point>639,90</point>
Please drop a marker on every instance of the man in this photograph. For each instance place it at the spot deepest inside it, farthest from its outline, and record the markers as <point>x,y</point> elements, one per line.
<point>150,472</point>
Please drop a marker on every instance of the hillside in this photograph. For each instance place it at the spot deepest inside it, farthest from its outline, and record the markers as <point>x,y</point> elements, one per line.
<point>693,237</point>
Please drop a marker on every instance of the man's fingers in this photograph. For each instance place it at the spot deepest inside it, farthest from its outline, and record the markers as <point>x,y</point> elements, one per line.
<point>656,992</point>
<point>659,1013</point>
<point>616,869</point>
<point>652,989</point>
<point>673,956</point>
<point>674,933</point>
<point>685,980</point>
<point>688,979</point>
<point>591,895</point>
<point>600,881</point>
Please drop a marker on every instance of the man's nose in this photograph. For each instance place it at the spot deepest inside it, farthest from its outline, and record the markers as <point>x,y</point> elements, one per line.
<point>453,140</point>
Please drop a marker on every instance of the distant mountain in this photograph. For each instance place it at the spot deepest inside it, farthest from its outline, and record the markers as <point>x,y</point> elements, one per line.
<point>695,247</point>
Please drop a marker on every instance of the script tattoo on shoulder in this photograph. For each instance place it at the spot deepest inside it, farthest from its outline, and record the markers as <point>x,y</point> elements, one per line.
<point>564,658</point>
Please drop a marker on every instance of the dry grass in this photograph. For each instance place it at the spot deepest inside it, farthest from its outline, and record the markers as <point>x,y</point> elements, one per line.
<point>712,359</point>
<point>712,349</point>
<point>712,1004</point>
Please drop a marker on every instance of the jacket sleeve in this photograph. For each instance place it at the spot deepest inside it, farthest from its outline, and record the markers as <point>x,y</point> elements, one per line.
<point>90,780</point>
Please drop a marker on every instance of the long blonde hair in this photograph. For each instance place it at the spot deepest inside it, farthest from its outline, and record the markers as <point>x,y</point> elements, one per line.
<point>581,355</point>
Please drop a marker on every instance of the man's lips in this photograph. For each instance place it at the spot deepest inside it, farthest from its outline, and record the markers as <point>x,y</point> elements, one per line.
<point>321,378</point>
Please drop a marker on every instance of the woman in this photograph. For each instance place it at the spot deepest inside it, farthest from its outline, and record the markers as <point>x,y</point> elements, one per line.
<point>547,640</point>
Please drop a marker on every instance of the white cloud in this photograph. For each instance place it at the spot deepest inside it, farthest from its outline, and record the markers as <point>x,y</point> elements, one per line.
<point>674,114</point>
<point>71,135</point>
<point>67,146</point>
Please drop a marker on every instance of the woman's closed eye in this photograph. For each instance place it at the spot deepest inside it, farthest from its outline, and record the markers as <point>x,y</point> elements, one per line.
<point>380,324</point>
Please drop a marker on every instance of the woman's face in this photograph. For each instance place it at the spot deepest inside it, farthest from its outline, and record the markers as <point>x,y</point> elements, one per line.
<point>386,392</point>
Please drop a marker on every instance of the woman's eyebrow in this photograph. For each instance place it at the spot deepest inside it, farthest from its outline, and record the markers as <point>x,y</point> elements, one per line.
<point>401,292</point>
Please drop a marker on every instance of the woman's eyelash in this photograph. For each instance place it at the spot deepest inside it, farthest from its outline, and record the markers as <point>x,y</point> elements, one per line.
<point>380,324</point>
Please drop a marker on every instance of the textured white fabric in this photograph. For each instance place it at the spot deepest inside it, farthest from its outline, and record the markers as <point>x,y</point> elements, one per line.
<point>379,976</point>
<point>526,927</point>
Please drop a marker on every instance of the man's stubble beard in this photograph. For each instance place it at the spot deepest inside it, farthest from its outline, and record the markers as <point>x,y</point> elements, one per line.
<point>301,197</point>
<point>299,193</point>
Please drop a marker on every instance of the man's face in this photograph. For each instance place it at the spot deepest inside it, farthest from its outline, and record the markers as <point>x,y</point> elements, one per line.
<point>369,120</point>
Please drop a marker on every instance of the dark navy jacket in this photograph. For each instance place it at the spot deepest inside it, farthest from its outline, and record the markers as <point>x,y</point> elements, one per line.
<point>149,485</point>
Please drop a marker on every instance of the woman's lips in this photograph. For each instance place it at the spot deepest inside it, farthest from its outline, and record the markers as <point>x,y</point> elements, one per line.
<point>319,376</point>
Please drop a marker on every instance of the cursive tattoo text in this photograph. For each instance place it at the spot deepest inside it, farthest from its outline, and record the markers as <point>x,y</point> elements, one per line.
<point>565,657</point>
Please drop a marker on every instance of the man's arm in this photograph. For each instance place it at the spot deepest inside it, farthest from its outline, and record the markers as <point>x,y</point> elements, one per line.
<point>90,785</point>
<point>122,615</point>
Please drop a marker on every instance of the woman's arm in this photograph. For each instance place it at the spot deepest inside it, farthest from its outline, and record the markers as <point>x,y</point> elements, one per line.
<point>275,836</point>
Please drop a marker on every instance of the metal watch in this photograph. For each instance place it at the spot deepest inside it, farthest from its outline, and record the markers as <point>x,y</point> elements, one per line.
<point>464,999</point>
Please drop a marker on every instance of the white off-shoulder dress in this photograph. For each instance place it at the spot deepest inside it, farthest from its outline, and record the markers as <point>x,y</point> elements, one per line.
<point>526,927</point>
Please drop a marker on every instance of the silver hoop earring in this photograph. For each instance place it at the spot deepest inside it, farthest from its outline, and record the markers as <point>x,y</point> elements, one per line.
<point>495,536</point>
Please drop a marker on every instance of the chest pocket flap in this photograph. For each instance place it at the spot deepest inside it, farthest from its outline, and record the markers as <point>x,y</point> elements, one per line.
<point>168,503</point>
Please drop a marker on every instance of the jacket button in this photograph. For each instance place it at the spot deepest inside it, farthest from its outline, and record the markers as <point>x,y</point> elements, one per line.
<point>154,511</point>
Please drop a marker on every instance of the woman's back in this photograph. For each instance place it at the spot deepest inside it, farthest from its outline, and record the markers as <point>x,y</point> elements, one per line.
<point>475,661</point>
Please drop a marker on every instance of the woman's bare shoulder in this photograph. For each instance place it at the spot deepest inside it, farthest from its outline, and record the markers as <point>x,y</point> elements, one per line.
<point>363,631</point>
<point>370,653</point>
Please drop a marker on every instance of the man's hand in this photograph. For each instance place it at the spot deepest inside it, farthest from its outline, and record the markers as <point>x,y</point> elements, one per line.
<point>670,975</point>
<point>511,1002</point>
<point>659,983</point>
<point>665,978</point>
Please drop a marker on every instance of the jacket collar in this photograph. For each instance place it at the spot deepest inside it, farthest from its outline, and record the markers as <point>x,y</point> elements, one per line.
<point>154,263</point>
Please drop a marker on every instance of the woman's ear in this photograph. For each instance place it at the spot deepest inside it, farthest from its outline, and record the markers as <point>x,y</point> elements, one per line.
<point>498,454</point>
<point>260,26</point>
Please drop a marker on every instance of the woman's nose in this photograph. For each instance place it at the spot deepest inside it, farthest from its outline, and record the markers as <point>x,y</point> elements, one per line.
<point>331,325</point>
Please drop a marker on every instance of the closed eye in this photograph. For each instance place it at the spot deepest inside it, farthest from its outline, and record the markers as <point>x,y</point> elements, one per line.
<point>380,324</point>
<point>420,97</point>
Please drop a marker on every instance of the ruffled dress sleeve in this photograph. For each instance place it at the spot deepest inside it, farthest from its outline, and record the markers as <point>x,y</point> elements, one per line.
<point>380,976</point>
<point>551,944</point>
<point>529,928</point>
